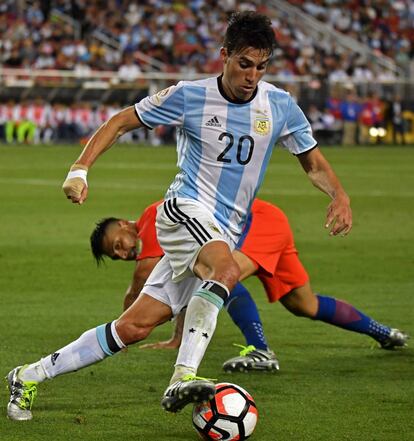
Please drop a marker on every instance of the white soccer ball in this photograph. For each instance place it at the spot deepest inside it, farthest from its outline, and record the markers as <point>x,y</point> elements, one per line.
<point>231,415</point>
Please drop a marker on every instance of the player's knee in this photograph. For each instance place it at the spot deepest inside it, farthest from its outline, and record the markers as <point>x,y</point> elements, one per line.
<point>131,332</point>
<point>298,307</point>
<point>228,274</point>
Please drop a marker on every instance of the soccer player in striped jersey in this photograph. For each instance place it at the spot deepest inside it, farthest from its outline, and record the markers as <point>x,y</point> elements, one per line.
<point>227,128</point>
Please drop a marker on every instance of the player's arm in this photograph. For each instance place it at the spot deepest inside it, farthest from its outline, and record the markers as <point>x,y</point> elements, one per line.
<point>142,271</point>
<point>75,185</point>
<point>322,176</point>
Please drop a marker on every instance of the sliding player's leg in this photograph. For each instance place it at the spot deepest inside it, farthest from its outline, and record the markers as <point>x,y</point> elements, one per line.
<point>92,346</point>
<point>302,301</point>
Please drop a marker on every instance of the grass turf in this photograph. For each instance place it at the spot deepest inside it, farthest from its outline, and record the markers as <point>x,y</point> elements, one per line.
<point>332,386</point>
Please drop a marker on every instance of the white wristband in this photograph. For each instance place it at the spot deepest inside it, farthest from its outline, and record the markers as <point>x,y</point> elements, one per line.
<point>78,174</point>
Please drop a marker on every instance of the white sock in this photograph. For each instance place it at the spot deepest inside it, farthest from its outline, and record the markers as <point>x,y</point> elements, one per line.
<point>91,347</point>
<point>33,372</point>
<point>199,326</point>
<point>180,371</point>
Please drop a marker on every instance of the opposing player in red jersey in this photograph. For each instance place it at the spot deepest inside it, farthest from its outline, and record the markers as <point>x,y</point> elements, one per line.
<point>267,250</point>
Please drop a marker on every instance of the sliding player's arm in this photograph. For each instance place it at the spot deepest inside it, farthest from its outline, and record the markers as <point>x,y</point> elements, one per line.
<point>142,271</point>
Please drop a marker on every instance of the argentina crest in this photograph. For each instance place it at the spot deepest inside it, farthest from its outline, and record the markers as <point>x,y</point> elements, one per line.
<point>160,96</point>
<point>262,125</point>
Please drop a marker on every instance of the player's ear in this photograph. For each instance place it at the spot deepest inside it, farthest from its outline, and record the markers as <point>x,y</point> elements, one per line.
<point>123,223</point>
<point>224,55</point>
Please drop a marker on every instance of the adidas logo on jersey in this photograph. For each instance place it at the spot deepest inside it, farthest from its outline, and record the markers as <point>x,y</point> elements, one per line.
<point>213,122</point>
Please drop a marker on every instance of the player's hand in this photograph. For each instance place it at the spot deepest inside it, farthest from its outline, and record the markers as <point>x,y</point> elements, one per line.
<point>169,344</point>
<point>339,216</point>
<point>75,186</point>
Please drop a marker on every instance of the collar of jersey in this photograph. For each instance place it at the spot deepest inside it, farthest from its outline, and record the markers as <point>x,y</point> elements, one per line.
<point>226,97</point>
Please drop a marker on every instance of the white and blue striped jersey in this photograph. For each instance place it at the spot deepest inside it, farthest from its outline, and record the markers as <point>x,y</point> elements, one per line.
<point>224,146</point>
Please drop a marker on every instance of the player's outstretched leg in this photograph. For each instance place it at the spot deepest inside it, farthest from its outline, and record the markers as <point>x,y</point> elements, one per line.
<point>339,313</point>
<point>91,347</point>
<point>189,389</point>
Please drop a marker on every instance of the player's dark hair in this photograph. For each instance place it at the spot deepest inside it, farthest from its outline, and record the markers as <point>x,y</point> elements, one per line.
<point>249,29</point>
<point>97,237</point>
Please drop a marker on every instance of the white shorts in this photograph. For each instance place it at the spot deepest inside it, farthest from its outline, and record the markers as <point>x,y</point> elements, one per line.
<point>184,226</point>
<point>160,286</point>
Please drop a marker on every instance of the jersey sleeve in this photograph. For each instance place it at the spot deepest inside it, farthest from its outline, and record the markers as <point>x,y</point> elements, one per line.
<point>297,135</point>
<point>147,233</point>
<point>164,108</point>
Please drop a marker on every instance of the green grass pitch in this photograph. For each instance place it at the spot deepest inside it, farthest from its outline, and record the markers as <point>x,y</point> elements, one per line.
<point>333,384</point>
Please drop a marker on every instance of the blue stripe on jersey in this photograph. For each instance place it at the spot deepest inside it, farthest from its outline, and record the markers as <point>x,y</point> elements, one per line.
<point>238,124</point>
<point>245,231</point>
<point>195,98</point>
<point>171,110</point>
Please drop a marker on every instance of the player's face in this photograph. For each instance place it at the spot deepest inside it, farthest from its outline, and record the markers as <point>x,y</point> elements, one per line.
<point>242,71</point>
<point>120,241</point>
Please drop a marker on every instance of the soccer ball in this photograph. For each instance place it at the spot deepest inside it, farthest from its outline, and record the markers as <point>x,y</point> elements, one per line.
<point>231,415</point>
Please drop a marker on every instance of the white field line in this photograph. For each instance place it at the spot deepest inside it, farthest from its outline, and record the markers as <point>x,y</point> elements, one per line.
<point>163,188</point>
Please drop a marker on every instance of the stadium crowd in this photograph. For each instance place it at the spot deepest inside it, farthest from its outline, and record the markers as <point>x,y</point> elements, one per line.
<point>184,36</point>
<point>345,119</point>
<point>31,122</point>
<point>384,26</point>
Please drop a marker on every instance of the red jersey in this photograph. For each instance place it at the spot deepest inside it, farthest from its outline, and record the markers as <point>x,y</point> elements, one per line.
<point>145,226</point>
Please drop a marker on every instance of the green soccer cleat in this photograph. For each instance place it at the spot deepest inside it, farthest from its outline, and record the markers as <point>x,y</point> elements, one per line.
<point>396,339</point>
<point>22,395</point>
<point>252,359</point>
<point>189,389</point>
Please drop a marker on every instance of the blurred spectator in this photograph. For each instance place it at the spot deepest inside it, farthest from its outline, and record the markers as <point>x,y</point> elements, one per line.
<point>129,70</point>
<point>82,69</point>
<point>350,109</point>
<point>314,116</point>
<point>83,118</point>
<point>394,115</point>
<point>25,126</point>
<point>371,117</point>
<point>8,121</point>
<point>58,123</point>
<point>38,114</point>
<point>333,103</point>
<point>362,73</point>
<point>333,115</point>
<point>14,59</point>
<point>324,125</point>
